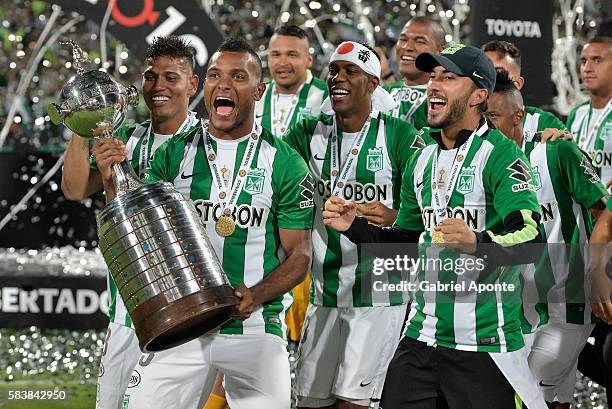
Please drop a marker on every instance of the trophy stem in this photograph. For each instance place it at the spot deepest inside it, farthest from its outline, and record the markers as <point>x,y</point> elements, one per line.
<point>124,178</point>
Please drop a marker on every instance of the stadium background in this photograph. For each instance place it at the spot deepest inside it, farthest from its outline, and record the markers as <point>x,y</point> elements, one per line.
<point>52,287</point>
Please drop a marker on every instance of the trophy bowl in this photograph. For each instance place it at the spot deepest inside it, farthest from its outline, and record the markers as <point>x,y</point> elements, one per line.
<point>90,100</point>
<point>152,239</point>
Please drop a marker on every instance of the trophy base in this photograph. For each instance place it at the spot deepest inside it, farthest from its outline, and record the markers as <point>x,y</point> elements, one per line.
<point>161,326</point>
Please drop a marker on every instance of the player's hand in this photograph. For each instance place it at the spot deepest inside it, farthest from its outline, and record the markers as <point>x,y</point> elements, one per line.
<point>377,213</point>
<point>339,214</point>
<point>245,308</point>
<point>600,291</point>
<point>107,152</point>
<point>457,235</point>
<point>608,183</point>
<point>552,134</point>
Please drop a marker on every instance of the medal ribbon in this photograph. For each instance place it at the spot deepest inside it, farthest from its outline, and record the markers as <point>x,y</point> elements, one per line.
<point>284,121</point>
<point>143,160</point>
<point>438,204</point>
<point>590,135</point>
<point>415,106</point>
<point>228,202</point>
<point>338,178</point>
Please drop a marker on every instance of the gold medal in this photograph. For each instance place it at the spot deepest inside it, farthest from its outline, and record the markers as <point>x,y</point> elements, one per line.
<point>354,151</point>
<point>225,226</point>
<point>437,237</point>
<point>459,158</point>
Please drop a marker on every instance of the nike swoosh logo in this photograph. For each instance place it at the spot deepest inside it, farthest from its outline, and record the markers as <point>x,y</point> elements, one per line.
<point>184,176</point>
<point>543,384</point>
<point>317,158</point>
<point>419,184</point>
<point>475,74</point>
<point>364,384</point>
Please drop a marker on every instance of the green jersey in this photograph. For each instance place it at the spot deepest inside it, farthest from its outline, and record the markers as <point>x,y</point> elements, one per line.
<point>133,137</point>
<point>536,120</point>
<point>492,182</point>
<point>277,193</point>
<point>592,130</point>
<point>567,186</point>
<point>337,267</point>
<point>278,112</point>
<point>412,103</point>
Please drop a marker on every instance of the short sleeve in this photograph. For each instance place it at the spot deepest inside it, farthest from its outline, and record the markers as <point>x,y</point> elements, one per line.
<point>294,192</point>
<point>511,180</point>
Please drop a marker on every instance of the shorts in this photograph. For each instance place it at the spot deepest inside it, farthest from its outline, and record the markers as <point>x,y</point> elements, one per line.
<point>344,353</point>
<point>554,358</point>
<point>434,377</point>
<point>255,366</point>
<point>119,357</point>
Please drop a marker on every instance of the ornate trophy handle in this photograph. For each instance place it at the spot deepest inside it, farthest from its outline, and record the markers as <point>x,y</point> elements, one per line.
<point>78,56</point>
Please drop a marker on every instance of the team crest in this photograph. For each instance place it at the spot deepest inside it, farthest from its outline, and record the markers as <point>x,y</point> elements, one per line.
<point>537,180</point>
<point>304,112</point>
<point>374,160</point>
<point>255,181</point>
<point>606,132</point>
<point>465,182</point>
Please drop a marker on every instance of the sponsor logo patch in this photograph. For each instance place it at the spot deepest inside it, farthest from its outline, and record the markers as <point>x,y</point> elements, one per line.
<point>521,172</point>
<point>589,170</point>
<point>307,185</point>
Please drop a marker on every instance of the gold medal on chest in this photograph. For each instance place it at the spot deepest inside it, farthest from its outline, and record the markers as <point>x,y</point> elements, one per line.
<point>226,225</point>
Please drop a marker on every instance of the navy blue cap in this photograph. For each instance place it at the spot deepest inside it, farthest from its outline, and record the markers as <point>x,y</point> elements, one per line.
<point>463,60</point>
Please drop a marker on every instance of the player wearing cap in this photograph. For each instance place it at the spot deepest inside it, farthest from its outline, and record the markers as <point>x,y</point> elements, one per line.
<point>591,121</point>
<point>506,55</point>
<point>567,186</point>
<point>358,153</point>
<point>293,91</point>
<point>420,34</point>
<point>460,346</point>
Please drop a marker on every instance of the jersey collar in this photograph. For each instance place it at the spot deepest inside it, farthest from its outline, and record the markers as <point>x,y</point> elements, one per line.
<point>463,136</point>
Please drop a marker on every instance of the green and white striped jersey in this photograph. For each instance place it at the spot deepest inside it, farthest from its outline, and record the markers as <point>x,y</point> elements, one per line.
<point>277,194</point>
<point>536,119</point>
<point>306,102</point>
<point>493,181</point>
<point>567,186</point>
<point>132,136</point>
<point>337,267</point>
<point>412,103</point>
<point>596,142</point>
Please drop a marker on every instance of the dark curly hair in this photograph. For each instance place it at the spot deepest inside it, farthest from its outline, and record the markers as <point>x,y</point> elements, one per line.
<point>171,46</point>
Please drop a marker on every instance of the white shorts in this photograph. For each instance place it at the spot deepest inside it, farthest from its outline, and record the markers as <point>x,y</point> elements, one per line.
<point>344,353</point>
<point>554,358</point>
<point>256,369</point>
<point>119,357</point>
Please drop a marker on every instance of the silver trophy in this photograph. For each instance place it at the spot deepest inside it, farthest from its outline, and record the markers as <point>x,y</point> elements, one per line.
<point>151,237</point>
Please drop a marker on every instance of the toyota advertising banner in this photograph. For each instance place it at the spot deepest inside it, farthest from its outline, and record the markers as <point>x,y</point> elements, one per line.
<point>528,24</point>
